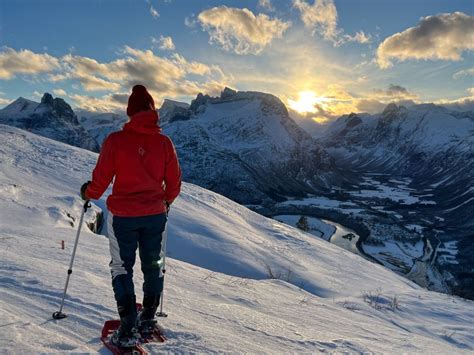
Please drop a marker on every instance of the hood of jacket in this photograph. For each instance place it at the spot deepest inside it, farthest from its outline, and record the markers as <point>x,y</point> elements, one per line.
<point>144,122</point>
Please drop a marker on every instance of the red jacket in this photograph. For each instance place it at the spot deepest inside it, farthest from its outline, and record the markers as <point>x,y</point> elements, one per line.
<point>145,167</point>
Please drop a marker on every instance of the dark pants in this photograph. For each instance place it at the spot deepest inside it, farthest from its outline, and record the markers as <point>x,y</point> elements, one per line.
<point>125,235</point>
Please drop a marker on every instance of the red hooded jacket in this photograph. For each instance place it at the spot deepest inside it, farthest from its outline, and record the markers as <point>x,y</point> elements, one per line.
<point>144,164</point>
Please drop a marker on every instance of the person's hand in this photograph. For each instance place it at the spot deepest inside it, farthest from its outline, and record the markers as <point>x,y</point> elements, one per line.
<point>83,190</point>
<point>167,206</point>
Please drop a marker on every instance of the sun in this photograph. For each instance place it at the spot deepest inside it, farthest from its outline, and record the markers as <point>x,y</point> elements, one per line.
<point>307,101</point>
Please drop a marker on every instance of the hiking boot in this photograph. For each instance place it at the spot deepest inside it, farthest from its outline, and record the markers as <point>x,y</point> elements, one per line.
<point>125,338</point>
<point>146,322</point>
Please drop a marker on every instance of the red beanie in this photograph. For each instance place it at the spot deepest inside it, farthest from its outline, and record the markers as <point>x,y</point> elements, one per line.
<point>139,100</point>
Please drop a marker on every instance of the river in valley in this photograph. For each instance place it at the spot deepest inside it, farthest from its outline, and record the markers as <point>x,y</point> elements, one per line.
<point>333,232</point>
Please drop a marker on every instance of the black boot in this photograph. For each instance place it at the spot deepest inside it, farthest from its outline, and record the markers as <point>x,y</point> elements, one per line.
<point>146,318</point>
<point>126,335</point>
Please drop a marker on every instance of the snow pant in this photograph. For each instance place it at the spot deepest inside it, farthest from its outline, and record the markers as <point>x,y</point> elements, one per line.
<point>125,235</point>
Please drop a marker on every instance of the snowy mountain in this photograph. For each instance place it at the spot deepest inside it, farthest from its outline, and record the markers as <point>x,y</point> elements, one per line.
<point>246,147</point>
<point>425,155</point>
<point>172,110</point>
<point>220,294</point>
<point>100,125</point>
<point>52,118</point>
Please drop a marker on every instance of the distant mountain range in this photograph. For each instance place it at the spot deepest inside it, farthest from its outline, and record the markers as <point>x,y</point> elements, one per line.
<point>244,145</point>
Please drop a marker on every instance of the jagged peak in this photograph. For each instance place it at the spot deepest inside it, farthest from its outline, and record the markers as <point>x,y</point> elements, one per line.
<point>353,120</point>
<point>59,105</point>
<point>228,92</point>
<point>47,99</point>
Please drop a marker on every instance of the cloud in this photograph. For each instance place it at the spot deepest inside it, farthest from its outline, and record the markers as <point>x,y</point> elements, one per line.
<point>164,43</point>
<point>163,76</point>
<point>463,73</point>
<point>394,92</point>
<point>334,101</point>
<point>190,21</point>
<point>154,12</point>
<point>471,91</point>
<point>24,61</point>
<point>321,17</point>
<point>266,4</point>
<point>439,37</point>
<point>376,100</point>
<point>137,66</point>
<point>4,101</point>
<point>239,30</point>
<point>461,104</point>
<point>89,72</point>
<point>359,37</point>
<point>106,103</point>
<point>59,92</point>
<point>370,105</point>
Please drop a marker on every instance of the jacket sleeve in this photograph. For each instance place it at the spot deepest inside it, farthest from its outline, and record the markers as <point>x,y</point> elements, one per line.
<point>172,173</point>
<point>104,171</point>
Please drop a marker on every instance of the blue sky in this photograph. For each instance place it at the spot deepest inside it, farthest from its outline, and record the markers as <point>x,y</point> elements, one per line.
<point>350,55</point>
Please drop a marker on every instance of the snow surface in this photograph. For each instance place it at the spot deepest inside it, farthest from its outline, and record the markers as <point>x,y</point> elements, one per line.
<point>218,294</point>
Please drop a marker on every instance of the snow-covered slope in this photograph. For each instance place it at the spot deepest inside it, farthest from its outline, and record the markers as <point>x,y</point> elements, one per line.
<point>52,118</point>
<point>218,293</point>
<point>100,125</point>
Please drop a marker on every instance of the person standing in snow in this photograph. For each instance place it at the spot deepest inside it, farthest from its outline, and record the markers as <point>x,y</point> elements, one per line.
<point>147,179</point>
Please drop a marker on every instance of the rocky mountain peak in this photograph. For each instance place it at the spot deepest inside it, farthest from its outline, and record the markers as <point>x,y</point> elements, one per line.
<point>353,120</point>
<point>47,99</point>
<point>52,118</point>
<point>61,107</point>
<point>199,101</point>
<point>172,110</point>
<point>227,93</point>
<point>393,108</point>
<point>390,114</point>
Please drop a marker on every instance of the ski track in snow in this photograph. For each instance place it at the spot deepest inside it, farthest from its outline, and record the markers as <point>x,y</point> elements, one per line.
<point>218,294</point>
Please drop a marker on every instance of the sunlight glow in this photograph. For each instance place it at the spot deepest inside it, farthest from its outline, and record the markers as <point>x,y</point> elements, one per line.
<point>307,101</point>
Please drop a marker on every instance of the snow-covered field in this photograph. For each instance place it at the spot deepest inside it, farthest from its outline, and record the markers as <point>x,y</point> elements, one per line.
<point>218,293</point>
<point>395,190</point>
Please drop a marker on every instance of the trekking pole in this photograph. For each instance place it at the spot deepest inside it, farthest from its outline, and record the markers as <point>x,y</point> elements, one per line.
<point>59,314</point>
<point>165,238</point>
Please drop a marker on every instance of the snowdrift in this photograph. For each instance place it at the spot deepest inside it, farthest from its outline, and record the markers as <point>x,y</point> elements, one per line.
<point>220,295</point>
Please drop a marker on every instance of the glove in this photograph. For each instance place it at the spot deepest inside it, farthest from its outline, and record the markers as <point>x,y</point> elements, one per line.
<point>83,190</point>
